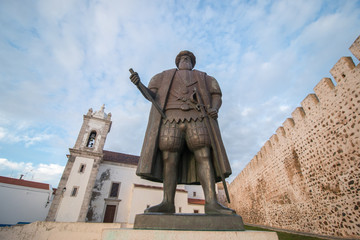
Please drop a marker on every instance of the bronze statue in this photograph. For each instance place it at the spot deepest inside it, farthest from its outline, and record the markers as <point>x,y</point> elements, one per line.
<point>182,143</point>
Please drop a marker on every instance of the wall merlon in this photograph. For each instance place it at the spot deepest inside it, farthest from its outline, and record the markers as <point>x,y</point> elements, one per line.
<point>342,68</point>
<point>298,115</point>
<point>255,158</point>
<point>309,103</point>
<point>355,48</point>
<point>274,139</point>
<point>280,132</point>
<point>252,162</point>
<point>323,89</point>
<point>288,125</point>
<point>263,152</point>
<point>268,146</point>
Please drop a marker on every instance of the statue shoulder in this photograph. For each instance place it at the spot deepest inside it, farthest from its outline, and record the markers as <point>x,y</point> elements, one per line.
<point>164,74</point>
<point>210,78</point>
<point>199,72</point>
<point>212,84</point>
<point>204,75</point>
<point>170,71</point>
<point>156,80</point>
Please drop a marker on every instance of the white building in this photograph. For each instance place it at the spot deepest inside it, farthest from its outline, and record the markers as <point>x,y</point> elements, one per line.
<point>101,186</point>
<point>23,201</point>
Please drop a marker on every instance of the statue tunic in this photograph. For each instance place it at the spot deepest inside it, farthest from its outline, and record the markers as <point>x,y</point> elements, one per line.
<point>180,105</point>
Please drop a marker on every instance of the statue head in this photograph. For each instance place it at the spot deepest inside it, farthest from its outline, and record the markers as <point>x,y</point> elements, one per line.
<point>185,53</point>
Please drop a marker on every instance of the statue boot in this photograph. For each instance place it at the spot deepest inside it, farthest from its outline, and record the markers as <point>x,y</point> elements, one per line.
<point>216,208</point>
<point>164,207</point>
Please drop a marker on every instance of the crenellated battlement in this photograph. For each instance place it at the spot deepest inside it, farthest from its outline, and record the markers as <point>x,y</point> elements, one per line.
<point>274,139</point>
<point>298,115</point>
<point>310,104</point>
<point>280,132</point>
<point>314,157</point>
<point>355,48</point>
<point>324,90</point>
<point>342,68</point>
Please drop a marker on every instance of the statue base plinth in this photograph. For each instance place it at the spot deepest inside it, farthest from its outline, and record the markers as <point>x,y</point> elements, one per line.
<point>206,222</point>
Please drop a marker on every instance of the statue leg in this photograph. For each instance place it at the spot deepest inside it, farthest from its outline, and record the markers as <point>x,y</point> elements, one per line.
<point>198,141</point>
<point>205,172</point>
<point>170,160</point>
<point>170,143</point>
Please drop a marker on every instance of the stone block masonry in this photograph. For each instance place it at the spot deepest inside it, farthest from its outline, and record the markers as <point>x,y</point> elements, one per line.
<point>306,177</point>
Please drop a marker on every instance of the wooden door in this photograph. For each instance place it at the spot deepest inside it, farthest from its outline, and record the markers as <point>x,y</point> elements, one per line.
<point>109,213</point>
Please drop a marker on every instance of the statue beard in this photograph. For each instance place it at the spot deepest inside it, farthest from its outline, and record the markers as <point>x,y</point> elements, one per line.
<point>185,65</point>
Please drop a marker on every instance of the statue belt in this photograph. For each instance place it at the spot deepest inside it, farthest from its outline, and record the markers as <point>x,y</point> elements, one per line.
<point>179,105</point>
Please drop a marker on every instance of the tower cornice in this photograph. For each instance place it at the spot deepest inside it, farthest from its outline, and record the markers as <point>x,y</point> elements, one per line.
<point>85,153</point>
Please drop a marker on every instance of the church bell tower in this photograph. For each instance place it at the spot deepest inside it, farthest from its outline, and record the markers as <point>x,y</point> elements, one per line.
<point>73,195</point>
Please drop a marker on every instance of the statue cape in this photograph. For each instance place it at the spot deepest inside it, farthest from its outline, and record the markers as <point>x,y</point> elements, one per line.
<point>150,164</point>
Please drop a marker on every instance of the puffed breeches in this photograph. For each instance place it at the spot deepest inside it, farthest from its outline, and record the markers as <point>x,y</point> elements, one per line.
<point>173,135</point>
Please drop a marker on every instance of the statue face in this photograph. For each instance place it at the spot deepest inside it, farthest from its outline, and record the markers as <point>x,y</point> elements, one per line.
<point>185,63</point>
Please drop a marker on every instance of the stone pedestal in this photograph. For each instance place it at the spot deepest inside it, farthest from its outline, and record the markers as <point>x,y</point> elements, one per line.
<point>135,234</point>
<point>158,221</point>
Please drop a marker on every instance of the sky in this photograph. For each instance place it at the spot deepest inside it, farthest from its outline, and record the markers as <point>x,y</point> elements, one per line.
<point>60,58</point>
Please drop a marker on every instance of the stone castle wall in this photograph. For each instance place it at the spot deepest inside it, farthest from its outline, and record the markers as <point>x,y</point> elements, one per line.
<point>306,176</point>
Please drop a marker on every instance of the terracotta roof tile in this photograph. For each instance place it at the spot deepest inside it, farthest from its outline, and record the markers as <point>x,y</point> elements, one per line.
<point>120,158</point>
<point>25,183</point>
<point>196,201</point>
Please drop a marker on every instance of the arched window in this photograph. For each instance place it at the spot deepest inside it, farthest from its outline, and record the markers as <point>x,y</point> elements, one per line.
<point>91,140</point>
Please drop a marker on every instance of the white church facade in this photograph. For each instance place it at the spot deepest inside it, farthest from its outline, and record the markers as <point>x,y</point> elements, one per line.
<point>101,186</point>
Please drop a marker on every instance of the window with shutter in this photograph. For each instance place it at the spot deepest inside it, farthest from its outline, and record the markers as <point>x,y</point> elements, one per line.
<point>114,191</point>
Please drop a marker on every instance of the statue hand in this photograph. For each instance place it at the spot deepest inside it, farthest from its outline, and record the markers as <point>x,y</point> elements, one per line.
<point>213,113</point>
<point>134,77</point>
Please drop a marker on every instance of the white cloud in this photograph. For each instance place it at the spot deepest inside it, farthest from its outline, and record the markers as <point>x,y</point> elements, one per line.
<point>4,163</point>
<point>67,48</point>
<point>246,111</point>
<point>23,132</point>
<point>46,173</point>
<point>2,133</point>
<point>284,108</point>
<point>29,140</point>
<point>61,58</point>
